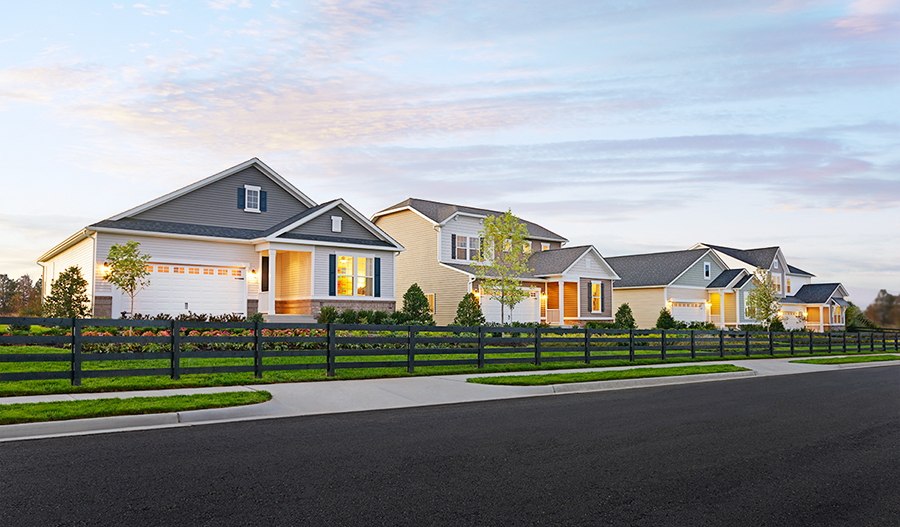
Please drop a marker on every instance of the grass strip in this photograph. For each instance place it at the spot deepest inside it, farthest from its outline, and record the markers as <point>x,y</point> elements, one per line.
<point>63,410</point>
<point>848,360</point>
<point>634,373</point>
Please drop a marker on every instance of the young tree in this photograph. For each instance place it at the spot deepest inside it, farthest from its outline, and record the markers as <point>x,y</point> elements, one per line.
<point>415,307</point>
<point>468,312</point>
<point>503,261</point>
<point>625,318</point>
<point>68,295</point>
<point>128,269</point>
<point>763,303</point>
<point>666,320</point>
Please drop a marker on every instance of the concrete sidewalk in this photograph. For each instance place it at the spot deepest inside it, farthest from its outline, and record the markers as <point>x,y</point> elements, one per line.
<point>326,397</point>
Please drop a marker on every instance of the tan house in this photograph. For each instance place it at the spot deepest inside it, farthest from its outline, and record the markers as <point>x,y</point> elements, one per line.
<point>568,285</point>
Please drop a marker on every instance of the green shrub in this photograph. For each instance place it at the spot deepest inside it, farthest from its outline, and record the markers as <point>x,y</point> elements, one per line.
<point>364,316</point>
<point>255,317</point>
<point>625,318</point>
<point>327,315</point>
<point>593,324</point>
<point>702,326</point>
<point>777,325</point>
<point>68,296</point>
<point>415,307</point>
<point>468,312</point>
<point>666,320</point>
<point>348,316</point>
<point>380,317</point>
<point>399,318</point>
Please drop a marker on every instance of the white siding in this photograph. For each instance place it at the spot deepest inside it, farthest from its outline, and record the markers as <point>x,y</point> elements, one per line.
<point>81,255</point>
<point>172,251</point>
<point>320,288</point>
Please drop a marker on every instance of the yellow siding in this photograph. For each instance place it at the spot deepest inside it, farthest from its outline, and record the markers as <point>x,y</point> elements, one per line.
<point>293,270</point>
<point>730,309</point>
<point>419,264</point>
<point>644,303</point>
<point>570,298</point>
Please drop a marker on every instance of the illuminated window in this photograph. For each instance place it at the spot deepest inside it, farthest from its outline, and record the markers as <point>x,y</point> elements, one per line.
<point>788,285</point>
<point>207,271</point>
<point>778,285</point>
<point>838,316</point>
<point>430,297</point>
<point>236,272</point>
<point>526,248</point>
<point>355,276</point>
<point>545,246</point>
<point>223,272</point>
<point>746,304</point>
<point>149,268</point>
<point>178,270</point>
<point>162,269</point>
<point>193,270</point>
<point>597,297</point>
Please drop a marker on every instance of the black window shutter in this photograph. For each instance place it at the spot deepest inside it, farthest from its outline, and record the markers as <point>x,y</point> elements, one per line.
<point>602,300</point>
<point>262,200</point>
<point>453,247</point>
<point>242,196</point>
<point>332,275</point>
<point>377,277</point>
<point>265,275</point>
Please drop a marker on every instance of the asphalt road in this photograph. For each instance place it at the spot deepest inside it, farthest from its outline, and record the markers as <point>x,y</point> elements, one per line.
<point>815,449</point>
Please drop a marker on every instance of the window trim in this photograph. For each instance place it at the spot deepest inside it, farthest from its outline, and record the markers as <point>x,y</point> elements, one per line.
<point>602,293</point>
<point>707,270</point>
<point>247,190</point>
<point>354,276</point>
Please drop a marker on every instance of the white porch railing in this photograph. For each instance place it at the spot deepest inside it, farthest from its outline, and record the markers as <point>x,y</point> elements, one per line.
<point>716,319</point>
<point>263,306</point>
<point>553,316</point>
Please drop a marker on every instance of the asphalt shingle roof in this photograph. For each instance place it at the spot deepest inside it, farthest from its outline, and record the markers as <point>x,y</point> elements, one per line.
<point>179,228</point>
<point>438,212</point>
<point>797,270</point>
<point>641,270</point>
<point>542,263</point>
<point>756,257</point>
<point>724,278</point>
<point>813,294</point>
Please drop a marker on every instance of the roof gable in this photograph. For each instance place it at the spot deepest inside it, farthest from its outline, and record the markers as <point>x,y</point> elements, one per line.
<point>817,293</point>
<point>653,269</point>
<point>316,224</point>
<point>441,213</point>
<point>213,201</point>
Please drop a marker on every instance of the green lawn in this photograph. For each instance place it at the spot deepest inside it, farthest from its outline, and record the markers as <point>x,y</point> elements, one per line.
<point>111,384</point>
<point>848,360</point>
<point>63,410</point>
<point>635,373</point>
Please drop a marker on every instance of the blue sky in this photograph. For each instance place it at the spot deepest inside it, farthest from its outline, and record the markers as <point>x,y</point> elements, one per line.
<point>634,126</point>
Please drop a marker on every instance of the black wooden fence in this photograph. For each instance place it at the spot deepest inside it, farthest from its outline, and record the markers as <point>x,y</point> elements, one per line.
<point>278,346</point>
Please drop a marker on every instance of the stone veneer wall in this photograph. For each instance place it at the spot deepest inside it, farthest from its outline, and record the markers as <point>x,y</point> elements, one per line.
<point>340,305</point>
<point>102,307</point>
<point>252,307</point>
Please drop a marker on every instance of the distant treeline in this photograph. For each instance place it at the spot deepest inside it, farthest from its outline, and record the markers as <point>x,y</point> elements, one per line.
<point>20,297</point>
<point>885,310</point>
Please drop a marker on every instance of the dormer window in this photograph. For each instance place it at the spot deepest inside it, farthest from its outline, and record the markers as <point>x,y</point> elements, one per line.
<point>545,246</point>
<point>251,203</point>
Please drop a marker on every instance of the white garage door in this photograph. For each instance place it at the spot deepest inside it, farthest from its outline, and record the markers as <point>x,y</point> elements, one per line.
<point>175,289</point>
<point>689,311</point>
<point>528,310</point>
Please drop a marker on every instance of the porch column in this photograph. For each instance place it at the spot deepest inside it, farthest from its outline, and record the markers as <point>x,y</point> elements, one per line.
<point>271,307</point>
<point>721,309</point>
<point>821,320</point>
<point>562,304</point>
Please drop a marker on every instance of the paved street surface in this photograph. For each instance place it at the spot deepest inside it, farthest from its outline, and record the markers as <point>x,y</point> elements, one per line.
<point>807,449</point>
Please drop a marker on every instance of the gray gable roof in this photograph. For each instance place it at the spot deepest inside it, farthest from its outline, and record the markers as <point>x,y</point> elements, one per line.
<point>740,283</point>
<point>813,293</point>
<point>654,269</point>
<point>756,257</point>
<point>438,212</point>
<point>724,278</point>
<point>542,263</point>
<point>796,270</point>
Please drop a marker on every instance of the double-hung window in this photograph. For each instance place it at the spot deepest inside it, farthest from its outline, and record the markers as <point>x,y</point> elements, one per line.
<point>597,297</point>
<point>251,203</point>
<point>467,247</point>
<point>355,276</point>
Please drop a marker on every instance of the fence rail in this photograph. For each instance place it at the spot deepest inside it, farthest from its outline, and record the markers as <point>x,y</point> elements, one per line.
<point>175,348</point>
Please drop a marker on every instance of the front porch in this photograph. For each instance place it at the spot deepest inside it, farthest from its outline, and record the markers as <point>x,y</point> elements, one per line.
<point>285,284</point>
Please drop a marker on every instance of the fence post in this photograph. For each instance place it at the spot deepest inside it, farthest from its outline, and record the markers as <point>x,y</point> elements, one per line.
<point>411,350</point>
<point>693,347</point>
<point>662,345</point>
<point>747,343</point>
<point>722,343</point>
<point>883,341</point>
<point>332,348</point>
<point>176,350</point>
<point>829,341</point>
<point>792,342</point>
<point>257,351</point>
<point>858,342</point>
<point>811,342</point>
<point>480,347</point>
<point>631,345</point>
<point>771,344</point>
<point>76,352</point>
<point>537,346</point>
<point>587,344</point>
<point>872,342</point>
<point>844,341</point>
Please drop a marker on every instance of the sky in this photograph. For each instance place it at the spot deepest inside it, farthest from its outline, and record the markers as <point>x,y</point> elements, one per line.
<point>635,126</point>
